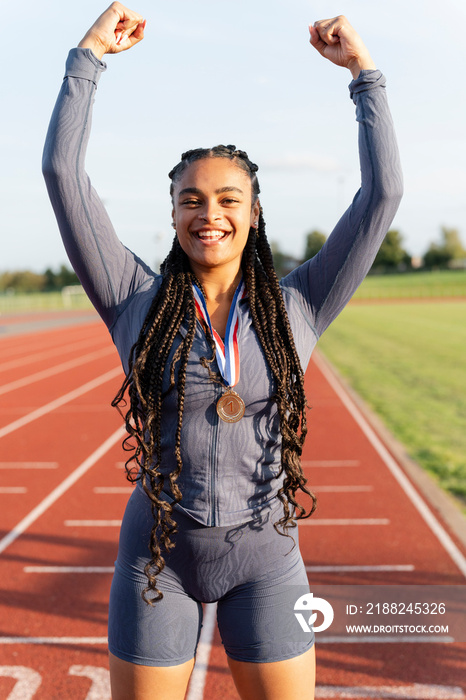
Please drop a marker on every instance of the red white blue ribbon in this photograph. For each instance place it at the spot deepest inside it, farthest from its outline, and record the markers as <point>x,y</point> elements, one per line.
<point>227,353</point>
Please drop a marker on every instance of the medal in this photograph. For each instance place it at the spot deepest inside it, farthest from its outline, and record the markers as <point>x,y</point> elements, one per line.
<point>230,406</point>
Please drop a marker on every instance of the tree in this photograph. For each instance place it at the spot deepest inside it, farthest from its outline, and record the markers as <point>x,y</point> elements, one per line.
<point>22,281</point>
<point>436,256</point>
<point>50,280</point>
<point>450,248</point>
<point>25,281</point>
<point>57,280</point>
<point>314,242</point>
<point>66,277</point>
<point>282,262</point>
<point>391,254</point>
<point>278,258</point>
<point>452,243</point>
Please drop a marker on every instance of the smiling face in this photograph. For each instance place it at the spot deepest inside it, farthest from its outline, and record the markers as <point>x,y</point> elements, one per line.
<point>212,213</point>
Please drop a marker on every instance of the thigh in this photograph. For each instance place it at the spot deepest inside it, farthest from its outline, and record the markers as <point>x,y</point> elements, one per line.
<point>165,633</point>
<point>281,680</point>
<point>134,682</point>
<point>256,619</point>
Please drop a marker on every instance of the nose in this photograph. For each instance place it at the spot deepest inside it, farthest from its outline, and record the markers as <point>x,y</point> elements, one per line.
<point>210,212</point>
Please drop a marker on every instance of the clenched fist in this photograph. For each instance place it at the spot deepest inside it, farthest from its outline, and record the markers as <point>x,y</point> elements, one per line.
<point>336,40</point>
<point>117,29</point>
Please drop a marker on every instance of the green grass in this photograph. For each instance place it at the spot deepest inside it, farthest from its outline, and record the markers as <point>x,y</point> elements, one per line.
<point>399,286</point>
<point>445,283</point>
<point>407,361</point>
<point>41,301</point>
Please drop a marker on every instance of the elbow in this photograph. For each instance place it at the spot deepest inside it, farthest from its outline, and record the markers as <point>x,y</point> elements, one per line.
<point>397,188</point>
<point>49,165</point>
<point>387,206</point>
<point>391,191</point>
<point>392,181</point>
<point>53,169</point>
<point>392,199</point>
<point>48,172</point>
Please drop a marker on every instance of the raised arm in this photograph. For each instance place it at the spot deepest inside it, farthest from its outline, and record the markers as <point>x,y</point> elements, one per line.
<point>325,284</point>
<point>108,271</point>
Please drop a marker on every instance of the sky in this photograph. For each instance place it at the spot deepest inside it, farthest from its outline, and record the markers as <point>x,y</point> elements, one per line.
<point>211,72</point>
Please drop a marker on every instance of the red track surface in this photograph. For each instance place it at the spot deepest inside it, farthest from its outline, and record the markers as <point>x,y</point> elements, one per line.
<point>60,456</point>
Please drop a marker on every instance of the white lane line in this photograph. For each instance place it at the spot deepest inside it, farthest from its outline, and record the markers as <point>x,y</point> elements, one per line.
<point>386,639</point>
<point>198,676</point>
<point>52,371</point>
<point>28,465</point>
<point>342,489</point>
<point>330,463</point>
<point>391,692</point>
<point>49,500</point>
<point>113,489</point>
<point>54,640</point>
<point>45,354</point>
<point>92,523</point>
<point>363,568</point>
<point>27,681</point>
<point>320,640</point>
<point>61,401</point>
<point>420,505</point>
<point>13,489</point>
<point>69,569</point>
<point>345,521</point>
<point>100,681</point>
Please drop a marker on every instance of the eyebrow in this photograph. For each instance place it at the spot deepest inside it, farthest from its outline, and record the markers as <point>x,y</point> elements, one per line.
<point>221,190</point>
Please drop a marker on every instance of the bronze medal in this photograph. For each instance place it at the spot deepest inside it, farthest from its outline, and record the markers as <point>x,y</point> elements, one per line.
<point>230,407</point>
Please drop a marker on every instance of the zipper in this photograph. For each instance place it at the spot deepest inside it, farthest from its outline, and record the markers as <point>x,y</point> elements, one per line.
<point>214,442</point>
<point>213,464</point>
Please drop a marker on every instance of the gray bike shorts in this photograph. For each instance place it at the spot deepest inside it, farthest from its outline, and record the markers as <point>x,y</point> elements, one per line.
<point>253,573</point>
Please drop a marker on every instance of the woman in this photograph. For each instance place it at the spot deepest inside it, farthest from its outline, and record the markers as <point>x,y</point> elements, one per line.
<point>214,351</point>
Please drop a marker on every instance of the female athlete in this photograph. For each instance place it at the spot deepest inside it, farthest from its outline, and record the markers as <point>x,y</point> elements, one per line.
<point>214,350</point>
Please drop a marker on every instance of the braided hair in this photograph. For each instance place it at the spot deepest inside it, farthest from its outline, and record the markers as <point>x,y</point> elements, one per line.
<point>174,303</point>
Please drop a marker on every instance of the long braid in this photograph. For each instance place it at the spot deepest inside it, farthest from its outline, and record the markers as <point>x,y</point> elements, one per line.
<point>149,359</point>
<point>270,321</point>
<point>144,383</point>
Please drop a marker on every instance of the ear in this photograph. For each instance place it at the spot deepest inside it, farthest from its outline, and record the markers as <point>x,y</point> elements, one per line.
<point>173,218</point>
<point>255,211</point>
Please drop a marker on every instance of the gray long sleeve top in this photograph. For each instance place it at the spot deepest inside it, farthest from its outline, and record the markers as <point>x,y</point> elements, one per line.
<point>229,470</point>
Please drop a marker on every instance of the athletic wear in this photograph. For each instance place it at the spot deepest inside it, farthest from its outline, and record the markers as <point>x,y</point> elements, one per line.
<point>230,472</point>
<point>255,575</point>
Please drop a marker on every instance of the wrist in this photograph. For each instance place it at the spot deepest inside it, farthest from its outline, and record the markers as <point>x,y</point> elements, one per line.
<point>97,48</point>
<point>359,64</point>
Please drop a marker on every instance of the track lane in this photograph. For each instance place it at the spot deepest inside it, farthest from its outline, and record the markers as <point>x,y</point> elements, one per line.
<point>46,355</point>
<point>338,456</point>
<point>38,421</point>
<point>54,439</point>
<point>24,324</point>
<point>64,605</point>
<point>28,344</point>
<point>39,393</point>
<point>354,484</point>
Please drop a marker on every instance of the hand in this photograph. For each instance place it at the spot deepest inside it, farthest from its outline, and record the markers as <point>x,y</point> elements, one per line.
<point>336,40</point>
<point>117,29</point>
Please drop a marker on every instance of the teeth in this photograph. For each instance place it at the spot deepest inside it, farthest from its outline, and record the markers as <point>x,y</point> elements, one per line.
<point>211,235</point>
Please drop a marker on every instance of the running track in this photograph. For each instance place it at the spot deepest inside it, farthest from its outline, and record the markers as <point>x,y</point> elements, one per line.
<point>63,493</point>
